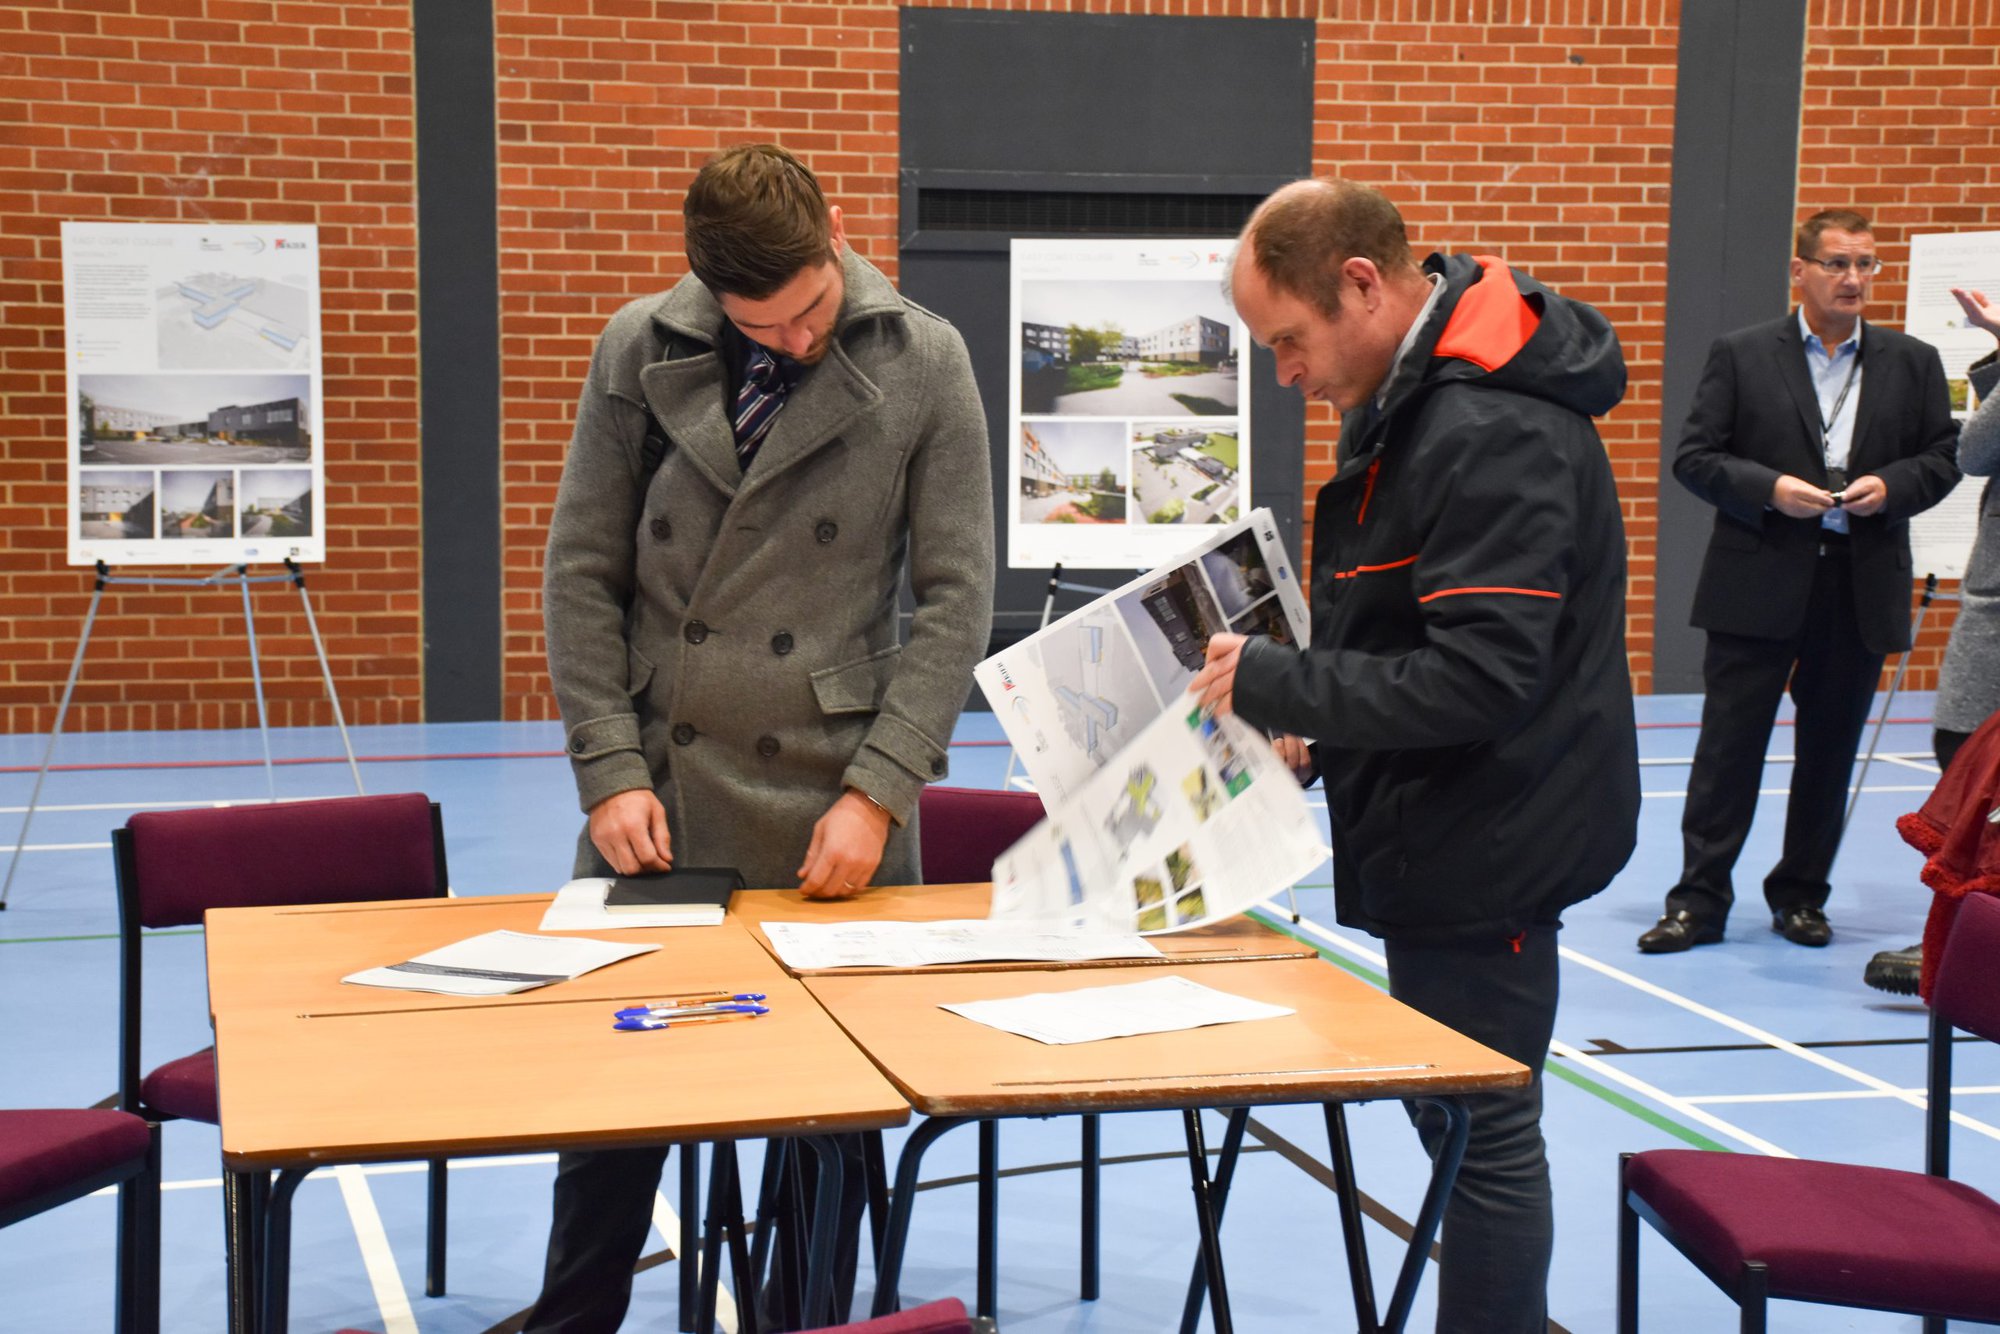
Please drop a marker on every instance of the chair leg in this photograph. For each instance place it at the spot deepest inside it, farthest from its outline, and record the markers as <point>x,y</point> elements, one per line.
<point>987,1280</point>
<point>138,1296</point>
<point>434,1231</point>
<point>1933,1324</point>
<point>1628,1256</point>
<point>1092,1159</point>
<point>1752,1293</point>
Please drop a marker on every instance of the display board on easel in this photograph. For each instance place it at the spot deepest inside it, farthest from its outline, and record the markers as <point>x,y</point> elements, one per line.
<point>1941,537</point>
<point>196,412</point>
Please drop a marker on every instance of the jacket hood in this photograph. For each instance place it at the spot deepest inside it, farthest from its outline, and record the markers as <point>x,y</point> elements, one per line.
<point>1498,327</point>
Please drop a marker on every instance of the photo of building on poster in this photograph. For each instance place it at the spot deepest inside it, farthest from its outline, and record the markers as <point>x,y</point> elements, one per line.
<point>195,399</point>
<point>1130,341</point>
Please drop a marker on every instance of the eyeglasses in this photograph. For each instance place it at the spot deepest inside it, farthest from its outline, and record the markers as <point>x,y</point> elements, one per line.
<point>1867,266</point>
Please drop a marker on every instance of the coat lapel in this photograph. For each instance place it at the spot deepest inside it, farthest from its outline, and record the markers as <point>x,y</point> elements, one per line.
<point>1790,354</point>
<point>1864,410</point>
<point>686,395</point>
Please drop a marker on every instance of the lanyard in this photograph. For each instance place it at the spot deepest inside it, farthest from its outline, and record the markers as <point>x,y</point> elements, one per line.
<point>1826,421</point>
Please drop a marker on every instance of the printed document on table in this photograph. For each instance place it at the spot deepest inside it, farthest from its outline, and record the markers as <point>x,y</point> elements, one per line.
<point>498,963</point>
<point>579,906</point>
<point>815,945</point>
<point>1197,819</point>
<point>1073,695</point>
<point>1164,1005</point>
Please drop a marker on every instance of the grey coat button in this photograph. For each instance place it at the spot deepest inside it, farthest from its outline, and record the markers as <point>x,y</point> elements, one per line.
<point>781,643</point>
<point>826,531</point>
<point>683,734</point>
<point>937,768</point>
<point>695,631</point>
<point>576,745</point>
<point>662,530</point>
<point>767,746</point>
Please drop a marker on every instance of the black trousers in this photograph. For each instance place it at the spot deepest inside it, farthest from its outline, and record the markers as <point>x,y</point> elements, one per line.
<point>1832,677</point>
<point>1499,1225</point>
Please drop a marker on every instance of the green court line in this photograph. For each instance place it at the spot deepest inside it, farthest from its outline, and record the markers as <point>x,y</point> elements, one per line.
<point>54,940</point>
<point>1555,1066</point>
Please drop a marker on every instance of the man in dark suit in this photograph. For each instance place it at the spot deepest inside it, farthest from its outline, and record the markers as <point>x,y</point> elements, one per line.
<point>1815,437</point>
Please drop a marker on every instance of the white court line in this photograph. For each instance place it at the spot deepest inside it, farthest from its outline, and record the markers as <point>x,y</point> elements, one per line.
<point>383,1276</point>
<point>1924,788</point>
<point>54,847</point>
<point>1836,1095</point>
<point>1916,762</point>
<point>1772,1040</point>
<point>1916,759</point>
<point>669,1224</point>
<point>1659,1095</point>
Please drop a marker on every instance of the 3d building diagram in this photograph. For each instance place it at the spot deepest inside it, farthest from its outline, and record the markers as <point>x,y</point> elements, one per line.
<point>218,320</point>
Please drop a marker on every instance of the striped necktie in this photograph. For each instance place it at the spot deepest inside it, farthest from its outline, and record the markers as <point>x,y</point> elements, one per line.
<point>758,403</point>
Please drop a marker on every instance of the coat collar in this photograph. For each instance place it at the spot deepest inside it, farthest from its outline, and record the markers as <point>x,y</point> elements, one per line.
<point>687,394</point>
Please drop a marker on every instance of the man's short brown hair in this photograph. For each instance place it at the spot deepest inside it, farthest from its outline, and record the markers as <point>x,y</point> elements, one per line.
<point>1805,243</point>
<point>1301,235</point>
<point>755,219</point>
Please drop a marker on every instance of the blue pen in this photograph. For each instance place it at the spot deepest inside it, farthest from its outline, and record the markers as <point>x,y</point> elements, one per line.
<point>665,1011</point>
<point>694,998</point>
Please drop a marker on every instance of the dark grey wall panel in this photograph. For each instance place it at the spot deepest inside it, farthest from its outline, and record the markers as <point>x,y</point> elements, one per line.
<point>1041,125</point>
<point>1729,235</point>
<point>458,299</point>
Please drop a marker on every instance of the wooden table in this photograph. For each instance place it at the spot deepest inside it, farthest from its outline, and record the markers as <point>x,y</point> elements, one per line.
<point>1237,939</point>
<point>1347,1042</point>
<point>312,1072</point>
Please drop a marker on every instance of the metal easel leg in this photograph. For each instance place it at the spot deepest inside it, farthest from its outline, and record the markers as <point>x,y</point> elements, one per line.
<point>257,682</point>
<point>1895,684</point>
<point>326,670</point>
<point>62,712</point>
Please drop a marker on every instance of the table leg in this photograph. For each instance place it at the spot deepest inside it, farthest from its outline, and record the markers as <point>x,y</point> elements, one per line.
<point>275,1284</point>
<point>875,1163</point>
<point>1205,1219</point>
<point>721,1177</point>
<point>827,1194</point>
<point>1225,1172</point>
<point>240,1249</point>
<point>690,1242</point>
<point>434,1230</point>
<point>771,1187</point>
<point>902,1203</point>
<point>1347,1199</point>
<point>1444,1172</point>
<point>989,1219</point>
<point>1092,1157</point>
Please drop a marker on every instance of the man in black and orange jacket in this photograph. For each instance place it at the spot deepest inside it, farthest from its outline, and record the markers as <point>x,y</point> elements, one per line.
<point>1466,692</point>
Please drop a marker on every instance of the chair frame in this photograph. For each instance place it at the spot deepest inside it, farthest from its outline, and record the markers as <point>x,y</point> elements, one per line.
<point>1750,1288</point>
<point>131,975</point>
<point>138,1263</point>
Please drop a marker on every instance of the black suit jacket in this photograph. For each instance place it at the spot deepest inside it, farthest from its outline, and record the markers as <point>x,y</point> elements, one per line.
<point>1755,418</point>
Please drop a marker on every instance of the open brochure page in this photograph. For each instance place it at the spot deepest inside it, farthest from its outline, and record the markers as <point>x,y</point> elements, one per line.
<point>1073,695</point>
<point>1196,820</point>
<point>814,945</point>
<point>1160,1005</point>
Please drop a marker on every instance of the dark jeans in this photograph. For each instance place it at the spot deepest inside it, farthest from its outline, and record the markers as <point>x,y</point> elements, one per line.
<point>1831,677</point>
<point>1499,1225</point>
<point>1945,744</point>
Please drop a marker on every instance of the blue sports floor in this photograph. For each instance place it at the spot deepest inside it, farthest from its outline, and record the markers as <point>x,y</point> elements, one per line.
<point>1754,1045</point>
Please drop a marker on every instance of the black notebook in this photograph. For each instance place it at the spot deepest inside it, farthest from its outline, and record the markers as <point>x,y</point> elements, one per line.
<point>690,889</point>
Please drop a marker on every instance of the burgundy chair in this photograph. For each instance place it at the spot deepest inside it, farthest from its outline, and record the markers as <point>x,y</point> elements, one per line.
<point>940,1317</point>
<point>1835,1233</point>
<point>175,865</point>
<point>49,1158</point>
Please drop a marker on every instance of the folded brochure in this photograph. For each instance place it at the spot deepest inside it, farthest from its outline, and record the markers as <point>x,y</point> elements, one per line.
<point>498,963</point>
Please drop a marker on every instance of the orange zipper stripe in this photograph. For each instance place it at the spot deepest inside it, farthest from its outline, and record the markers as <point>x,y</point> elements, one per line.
<point>1454,592</point>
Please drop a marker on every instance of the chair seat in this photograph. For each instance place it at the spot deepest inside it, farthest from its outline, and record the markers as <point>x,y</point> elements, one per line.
<point>1830,1232</point>
<point>940,1317</point>
<point>184,1088</point>
<point>40,1151</point>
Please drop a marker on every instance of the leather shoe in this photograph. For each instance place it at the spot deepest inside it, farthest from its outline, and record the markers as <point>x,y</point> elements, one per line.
<point>1802,925</point>
<point>1896,971</point>
<point>1679,931</point>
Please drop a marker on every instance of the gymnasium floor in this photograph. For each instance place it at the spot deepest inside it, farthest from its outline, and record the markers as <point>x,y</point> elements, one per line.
<point>1755,1045</point>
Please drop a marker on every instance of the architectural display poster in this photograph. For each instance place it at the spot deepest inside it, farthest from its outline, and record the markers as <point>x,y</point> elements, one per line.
<point>196,413</point>
<point>1074,695</point>
<point>1941,537</point>
<point>1129,414</point>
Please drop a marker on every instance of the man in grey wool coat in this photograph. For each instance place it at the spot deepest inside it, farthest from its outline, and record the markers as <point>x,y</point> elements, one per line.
<point>760,452</point>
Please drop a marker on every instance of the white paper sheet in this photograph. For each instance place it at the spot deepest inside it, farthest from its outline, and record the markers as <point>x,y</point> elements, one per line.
<point>579,906</point>
<point>1163,1005</point>
<point>498,963</point>
<point>918,944</point>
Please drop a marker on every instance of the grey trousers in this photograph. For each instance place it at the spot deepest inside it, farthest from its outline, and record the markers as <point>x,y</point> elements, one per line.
<point>1499,1225</point>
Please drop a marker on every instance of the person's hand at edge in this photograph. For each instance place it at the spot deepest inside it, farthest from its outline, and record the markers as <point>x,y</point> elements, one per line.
<point>846,848</point>
<point>629,830</point>
<point>1979,312</point>
<point>1865,495</point>
<point>1296,752</point>
<point>1215,684</point>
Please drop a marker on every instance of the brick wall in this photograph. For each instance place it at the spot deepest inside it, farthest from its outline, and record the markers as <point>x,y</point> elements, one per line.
<point>1900,122</point>
<point>227,112</point>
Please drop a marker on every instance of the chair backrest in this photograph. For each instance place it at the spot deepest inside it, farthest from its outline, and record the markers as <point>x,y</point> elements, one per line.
<point>964,829</point>
<point>1967,994</point>
<point>175,865</point>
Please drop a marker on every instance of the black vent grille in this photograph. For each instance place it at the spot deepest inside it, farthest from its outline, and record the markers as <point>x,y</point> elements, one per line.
<point>1082,213</point>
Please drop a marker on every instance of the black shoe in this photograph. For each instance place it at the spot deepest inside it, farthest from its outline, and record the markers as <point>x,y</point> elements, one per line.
<point>1896,971</point>
<point>1803,925</point>
<point>1679,931</point>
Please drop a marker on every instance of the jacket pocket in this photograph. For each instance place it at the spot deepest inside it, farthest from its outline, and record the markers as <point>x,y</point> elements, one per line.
<point>856,687</point>
<point>1732,536</point>
<point>638,672</point>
